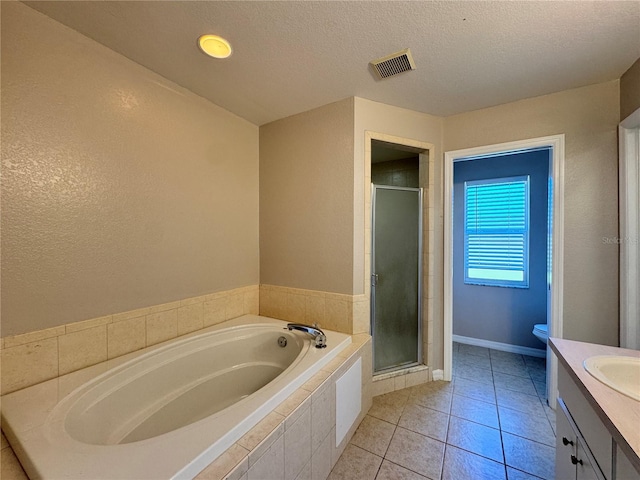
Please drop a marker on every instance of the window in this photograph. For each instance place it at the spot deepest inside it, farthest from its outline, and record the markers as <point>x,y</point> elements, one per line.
<point>496,232</point>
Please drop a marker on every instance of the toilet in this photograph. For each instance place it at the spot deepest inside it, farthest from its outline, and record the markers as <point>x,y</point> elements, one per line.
<point>541,332</point>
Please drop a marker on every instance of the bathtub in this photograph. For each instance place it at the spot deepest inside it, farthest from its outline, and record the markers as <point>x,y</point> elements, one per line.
<point>167,411</point>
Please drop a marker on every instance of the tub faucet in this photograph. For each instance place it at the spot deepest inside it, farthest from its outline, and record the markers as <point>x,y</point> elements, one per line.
<point>315,332</point>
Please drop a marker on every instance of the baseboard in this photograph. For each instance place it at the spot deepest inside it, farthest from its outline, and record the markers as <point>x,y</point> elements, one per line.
<point>505,347</point>
<point>438,375</point>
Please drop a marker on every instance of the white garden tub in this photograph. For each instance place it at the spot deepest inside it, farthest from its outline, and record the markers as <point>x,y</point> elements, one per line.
<point>167,412</point>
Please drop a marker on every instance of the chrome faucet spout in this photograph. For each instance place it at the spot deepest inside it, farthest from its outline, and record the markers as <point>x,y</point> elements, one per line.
<point>315,332</point>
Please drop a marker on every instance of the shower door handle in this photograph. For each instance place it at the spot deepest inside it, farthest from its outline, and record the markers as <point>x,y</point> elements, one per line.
<point>374,279</point>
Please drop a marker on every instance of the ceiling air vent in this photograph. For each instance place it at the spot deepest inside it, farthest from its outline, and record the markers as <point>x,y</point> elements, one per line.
<point>394,64</point>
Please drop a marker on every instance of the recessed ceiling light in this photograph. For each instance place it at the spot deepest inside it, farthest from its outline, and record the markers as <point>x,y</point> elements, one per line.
<point>214,46</point>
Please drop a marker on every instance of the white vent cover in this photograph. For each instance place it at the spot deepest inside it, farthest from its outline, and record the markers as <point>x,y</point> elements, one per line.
<point>394,64</point>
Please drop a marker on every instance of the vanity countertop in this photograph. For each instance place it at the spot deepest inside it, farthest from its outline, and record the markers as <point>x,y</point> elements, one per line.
<point>619,413</point>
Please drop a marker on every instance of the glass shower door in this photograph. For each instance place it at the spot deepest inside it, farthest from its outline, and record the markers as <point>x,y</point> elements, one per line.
<point>396,277</point>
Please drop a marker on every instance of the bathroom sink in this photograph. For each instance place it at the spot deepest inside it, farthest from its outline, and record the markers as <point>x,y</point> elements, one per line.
<point>618,372</point>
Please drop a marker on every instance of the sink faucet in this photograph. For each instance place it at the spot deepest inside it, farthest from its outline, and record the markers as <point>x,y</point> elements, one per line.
<point>315,332</point>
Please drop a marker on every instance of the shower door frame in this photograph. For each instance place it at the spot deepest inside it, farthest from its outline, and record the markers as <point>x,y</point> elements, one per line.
<point>373,275</point>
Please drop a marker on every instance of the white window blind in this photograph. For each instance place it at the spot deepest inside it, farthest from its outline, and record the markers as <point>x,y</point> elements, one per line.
<point>496,232</point>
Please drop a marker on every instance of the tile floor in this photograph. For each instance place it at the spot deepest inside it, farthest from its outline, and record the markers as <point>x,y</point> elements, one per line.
<point>492,422</point>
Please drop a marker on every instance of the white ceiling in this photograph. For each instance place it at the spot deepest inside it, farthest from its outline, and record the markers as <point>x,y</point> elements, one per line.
<point>292,56</point>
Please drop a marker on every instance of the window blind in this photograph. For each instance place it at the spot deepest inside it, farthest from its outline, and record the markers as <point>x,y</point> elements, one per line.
<point>496,231</point>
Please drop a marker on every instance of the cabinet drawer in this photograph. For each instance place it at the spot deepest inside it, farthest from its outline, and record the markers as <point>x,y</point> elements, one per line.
<point>591,427</point>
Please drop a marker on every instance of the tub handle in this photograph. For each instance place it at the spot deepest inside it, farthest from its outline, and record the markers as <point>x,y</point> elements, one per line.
<point>315,332</point>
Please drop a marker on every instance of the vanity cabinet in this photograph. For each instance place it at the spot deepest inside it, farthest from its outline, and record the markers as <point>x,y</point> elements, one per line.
<point>573,457</point>
<point>585,450</point>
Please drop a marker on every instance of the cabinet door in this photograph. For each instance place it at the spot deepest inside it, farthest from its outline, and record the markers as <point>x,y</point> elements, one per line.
<point>624,468</point>
<point>566,443</point>
<point>584,468</point>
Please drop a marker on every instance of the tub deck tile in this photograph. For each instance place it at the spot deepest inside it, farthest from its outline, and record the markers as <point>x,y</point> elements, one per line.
<point>314,382</point>
<point>233,459</point>
<point>293,401</point>
<point>268,425</point>
<point>261,448</point>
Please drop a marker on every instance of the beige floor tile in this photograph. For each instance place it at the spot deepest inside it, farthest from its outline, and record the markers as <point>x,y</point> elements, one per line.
<point>433,395</point>
<point>475,438</point>
<point>356,464</point>
<point>510,366</point>
<point>462,465</point>
<point>475,410</point>
<point>389,407</point>
<point>483,362</point>
<point>473,389</point>
<point>535,362</point>
<point>480,400</point>
<point>551,415</point>
<point>528,456</point>
<point>474,372</point>
<point>533,427</point>
<point>416,452</point>
<point>537,373</point>
<point>391,471</point>
<point>373,435</point>
<point>541,390</point>
<point>499,355</point>
<point>513,382</point>
<point>425,421</point>
<point>522,402</point>
<point>473,350</point>
<point>513,474</point>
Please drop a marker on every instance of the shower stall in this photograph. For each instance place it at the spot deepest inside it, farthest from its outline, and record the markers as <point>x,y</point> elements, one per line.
<point>396,277</point>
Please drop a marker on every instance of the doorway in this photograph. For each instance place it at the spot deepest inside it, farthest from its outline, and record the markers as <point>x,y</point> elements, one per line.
<point>555,144</point>
<point>410,154</point>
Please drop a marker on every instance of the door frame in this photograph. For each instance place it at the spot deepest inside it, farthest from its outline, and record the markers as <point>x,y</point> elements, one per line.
<point>426,152</point>
<point>629,187</point>
<point>556,143</point>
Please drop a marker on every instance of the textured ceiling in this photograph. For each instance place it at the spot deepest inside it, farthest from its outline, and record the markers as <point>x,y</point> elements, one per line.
<point>292,56</point>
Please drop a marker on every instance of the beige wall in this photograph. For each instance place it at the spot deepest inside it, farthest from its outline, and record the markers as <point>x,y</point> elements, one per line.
<point>630,90</point>
<point>120,190</point>
<point>306,200</point>
<point>588,117</point>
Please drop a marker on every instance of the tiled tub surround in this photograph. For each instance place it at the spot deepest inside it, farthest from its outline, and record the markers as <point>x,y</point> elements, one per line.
<point>314,402</point>
<point>341,313</point>
<point>34,357</point>
<point>333,311</point>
